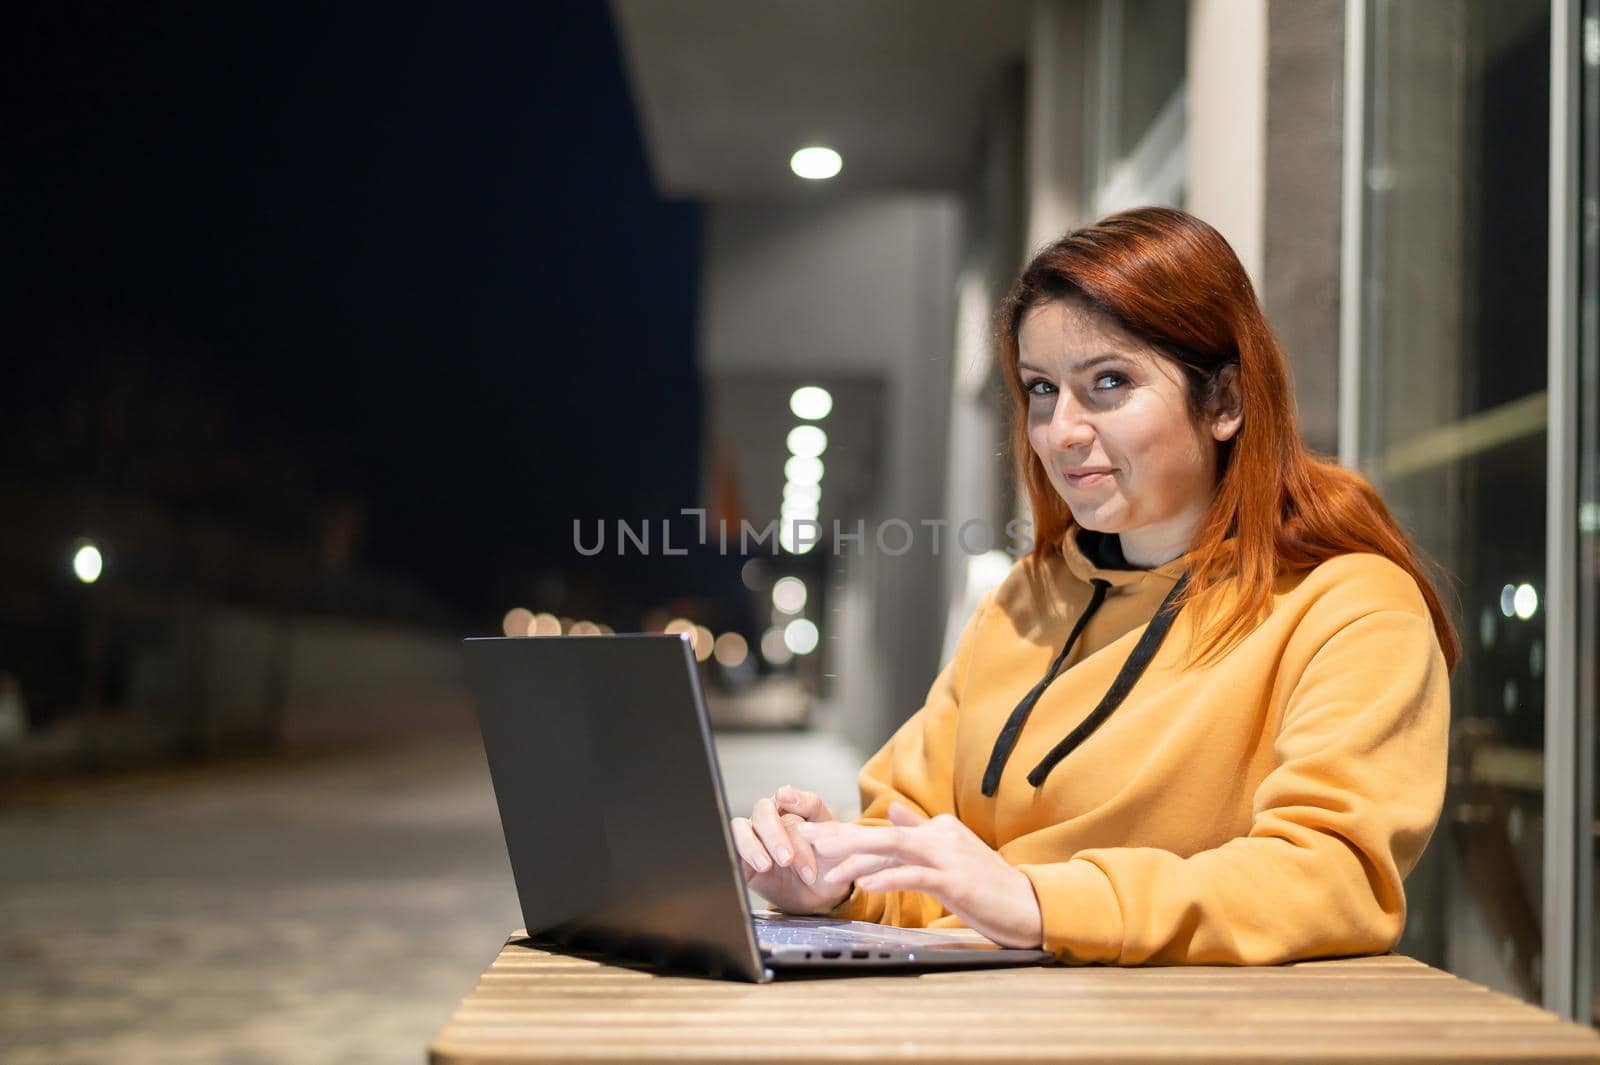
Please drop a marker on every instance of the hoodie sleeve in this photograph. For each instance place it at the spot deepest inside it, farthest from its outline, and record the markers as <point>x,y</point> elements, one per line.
<point>1357,790</point>
<point>916,767</point>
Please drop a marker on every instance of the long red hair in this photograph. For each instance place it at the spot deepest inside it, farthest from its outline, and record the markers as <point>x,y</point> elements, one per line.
<point>1171,280</point>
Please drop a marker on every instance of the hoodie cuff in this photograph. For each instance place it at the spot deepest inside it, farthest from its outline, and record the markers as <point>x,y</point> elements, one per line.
<point>860,906</point>
<point>1081,915</point>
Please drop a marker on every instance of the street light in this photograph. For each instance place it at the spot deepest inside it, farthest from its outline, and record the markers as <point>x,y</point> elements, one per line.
<point>88,563</point>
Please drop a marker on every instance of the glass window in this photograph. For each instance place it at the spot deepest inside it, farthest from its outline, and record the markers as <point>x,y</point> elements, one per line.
<point>1588,568</point>
<point>1452,413</point>
<point>1153,47</point>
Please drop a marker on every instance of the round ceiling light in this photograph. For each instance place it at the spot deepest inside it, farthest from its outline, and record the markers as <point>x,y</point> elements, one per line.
<point>815,163</point>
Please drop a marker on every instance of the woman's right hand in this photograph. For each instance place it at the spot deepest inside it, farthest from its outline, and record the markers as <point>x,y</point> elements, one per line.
<point>780,866</point>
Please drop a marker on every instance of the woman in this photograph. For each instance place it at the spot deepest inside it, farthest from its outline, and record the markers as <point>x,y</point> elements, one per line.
<point>1205,719</point>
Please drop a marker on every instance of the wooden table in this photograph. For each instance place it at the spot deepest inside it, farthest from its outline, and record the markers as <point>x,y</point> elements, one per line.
<point>535,1006</point>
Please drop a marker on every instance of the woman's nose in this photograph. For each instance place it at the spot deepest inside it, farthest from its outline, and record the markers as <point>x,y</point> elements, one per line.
<point>1069,424</point>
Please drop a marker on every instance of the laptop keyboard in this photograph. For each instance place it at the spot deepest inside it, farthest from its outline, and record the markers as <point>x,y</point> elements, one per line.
<point>796,932</point>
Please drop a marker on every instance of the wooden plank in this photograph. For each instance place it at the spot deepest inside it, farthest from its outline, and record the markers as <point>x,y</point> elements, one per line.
<point>537,1006</point>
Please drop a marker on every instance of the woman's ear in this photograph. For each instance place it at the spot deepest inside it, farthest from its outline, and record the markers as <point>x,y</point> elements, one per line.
<point>1227,404</point>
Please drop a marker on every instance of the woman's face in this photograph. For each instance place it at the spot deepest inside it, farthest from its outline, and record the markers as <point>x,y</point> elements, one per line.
<point>1109,419</point>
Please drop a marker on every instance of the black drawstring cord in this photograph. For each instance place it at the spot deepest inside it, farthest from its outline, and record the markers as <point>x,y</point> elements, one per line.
<point>1008,735</point>
<point>1127,677</point>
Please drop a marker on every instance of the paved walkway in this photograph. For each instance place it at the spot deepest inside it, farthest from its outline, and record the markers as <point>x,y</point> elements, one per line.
<point>310,910</point>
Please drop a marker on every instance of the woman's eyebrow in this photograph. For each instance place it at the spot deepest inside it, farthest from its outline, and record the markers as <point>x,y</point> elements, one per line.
<point>1095,360</point>
<point>1084,364</point>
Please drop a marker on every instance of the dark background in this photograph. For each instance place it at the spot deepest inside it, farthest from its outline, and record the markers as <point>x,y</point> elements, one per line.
<point>382,284</point>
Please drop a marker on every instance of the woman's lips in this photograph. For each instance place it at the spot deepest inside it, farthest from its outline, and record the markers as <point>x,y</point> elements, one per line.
<point>1087,478</point>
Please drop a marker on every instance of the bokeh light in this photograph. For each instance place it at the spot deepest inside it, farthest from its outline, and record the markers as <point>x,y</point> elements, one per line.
<point>807,441</point>
<point>798,508</point>
<point>517,622</point>
<point>797,538</point>
<point>773,649</point>
<point>800,636</point>
<point>731,650</point>
<point>801,470</point>
<point>789,595</point>
<point>808,492</point>
<point>88,563</point>
<point>816,163</point>
<point>1525,601</point>
<point>811,402</point>
<point>704,642</point>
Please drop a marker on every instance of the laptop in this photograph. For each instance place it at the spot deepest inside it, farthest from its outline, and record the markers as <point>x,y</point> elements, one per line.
<point>610,797</point>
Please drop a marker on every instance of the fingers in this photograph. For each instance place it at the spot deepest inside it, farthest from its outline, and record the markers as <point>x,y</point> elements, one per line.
<point>808,804</point>
<point>855,867</point>
<point>805,862</point>
<point>751,852</point>
<point>770,830</point>
<point>903,878</point>
<point>837,840</point>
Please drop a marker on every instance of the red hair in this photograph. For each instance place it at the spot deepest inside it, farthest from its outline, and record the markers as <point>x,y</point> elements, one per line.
<point>1172,281</point>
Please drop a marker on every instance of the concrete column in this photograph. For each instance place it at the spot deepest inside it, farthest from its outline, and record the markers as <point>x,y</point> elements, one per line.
<point>1265,148</point>
<point>1227,122</point>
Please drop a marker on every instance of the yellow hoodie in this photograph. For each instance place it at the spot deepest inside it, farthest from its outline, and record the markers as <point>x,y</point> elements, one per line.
<point>1257,810</point>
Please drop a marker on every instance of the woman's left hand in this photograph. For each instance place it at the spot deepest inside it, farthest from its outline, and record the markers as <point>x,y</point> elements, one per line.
<point>941,857</point>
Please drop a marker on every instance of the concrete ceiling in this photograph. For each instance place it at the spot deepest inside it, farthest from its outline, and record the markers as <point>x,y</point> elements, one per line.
<point>726,91</point>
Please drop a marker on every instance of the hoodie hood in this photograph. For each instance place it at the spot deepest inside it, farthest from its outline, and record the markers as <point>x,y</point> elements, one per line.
<point>1092,556</point>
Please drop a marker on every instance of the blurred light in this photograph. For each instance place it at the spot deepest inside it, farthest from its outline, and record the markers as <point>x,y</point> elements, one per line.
<point>677,625</point>
<point>752,574</point>
<point>544,625</point>
<point>1526,601</point>
<point>812,493</point>
<point>87,563</point>
<point>807,441</point>
<point>704,642</point>
<point>800,636</point>
<point>815,163</point>
<point>605,630</point>
<point>811,403</point>
<point>517,622</point>
<point>773,649</point>
<point>1508,600</point>
<point>565,622</point>
<point>731,650</point>
<point>789,537</point>
<point>990,568</point>
<point>789,595</point>
<point>585,628</point>
<point>798,508</point>
<point>1589,517</point>
<point>801,470</point>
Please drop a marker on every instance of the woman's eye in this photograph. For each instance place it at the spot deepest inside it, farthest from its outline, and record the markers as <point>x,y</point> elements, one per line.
<point>1032,387</point>
<point>1116,381</point>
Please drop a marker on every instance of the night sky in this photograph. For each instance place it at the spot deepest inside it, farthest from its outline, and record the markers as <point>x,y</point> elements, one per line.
<point>410,251</point>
